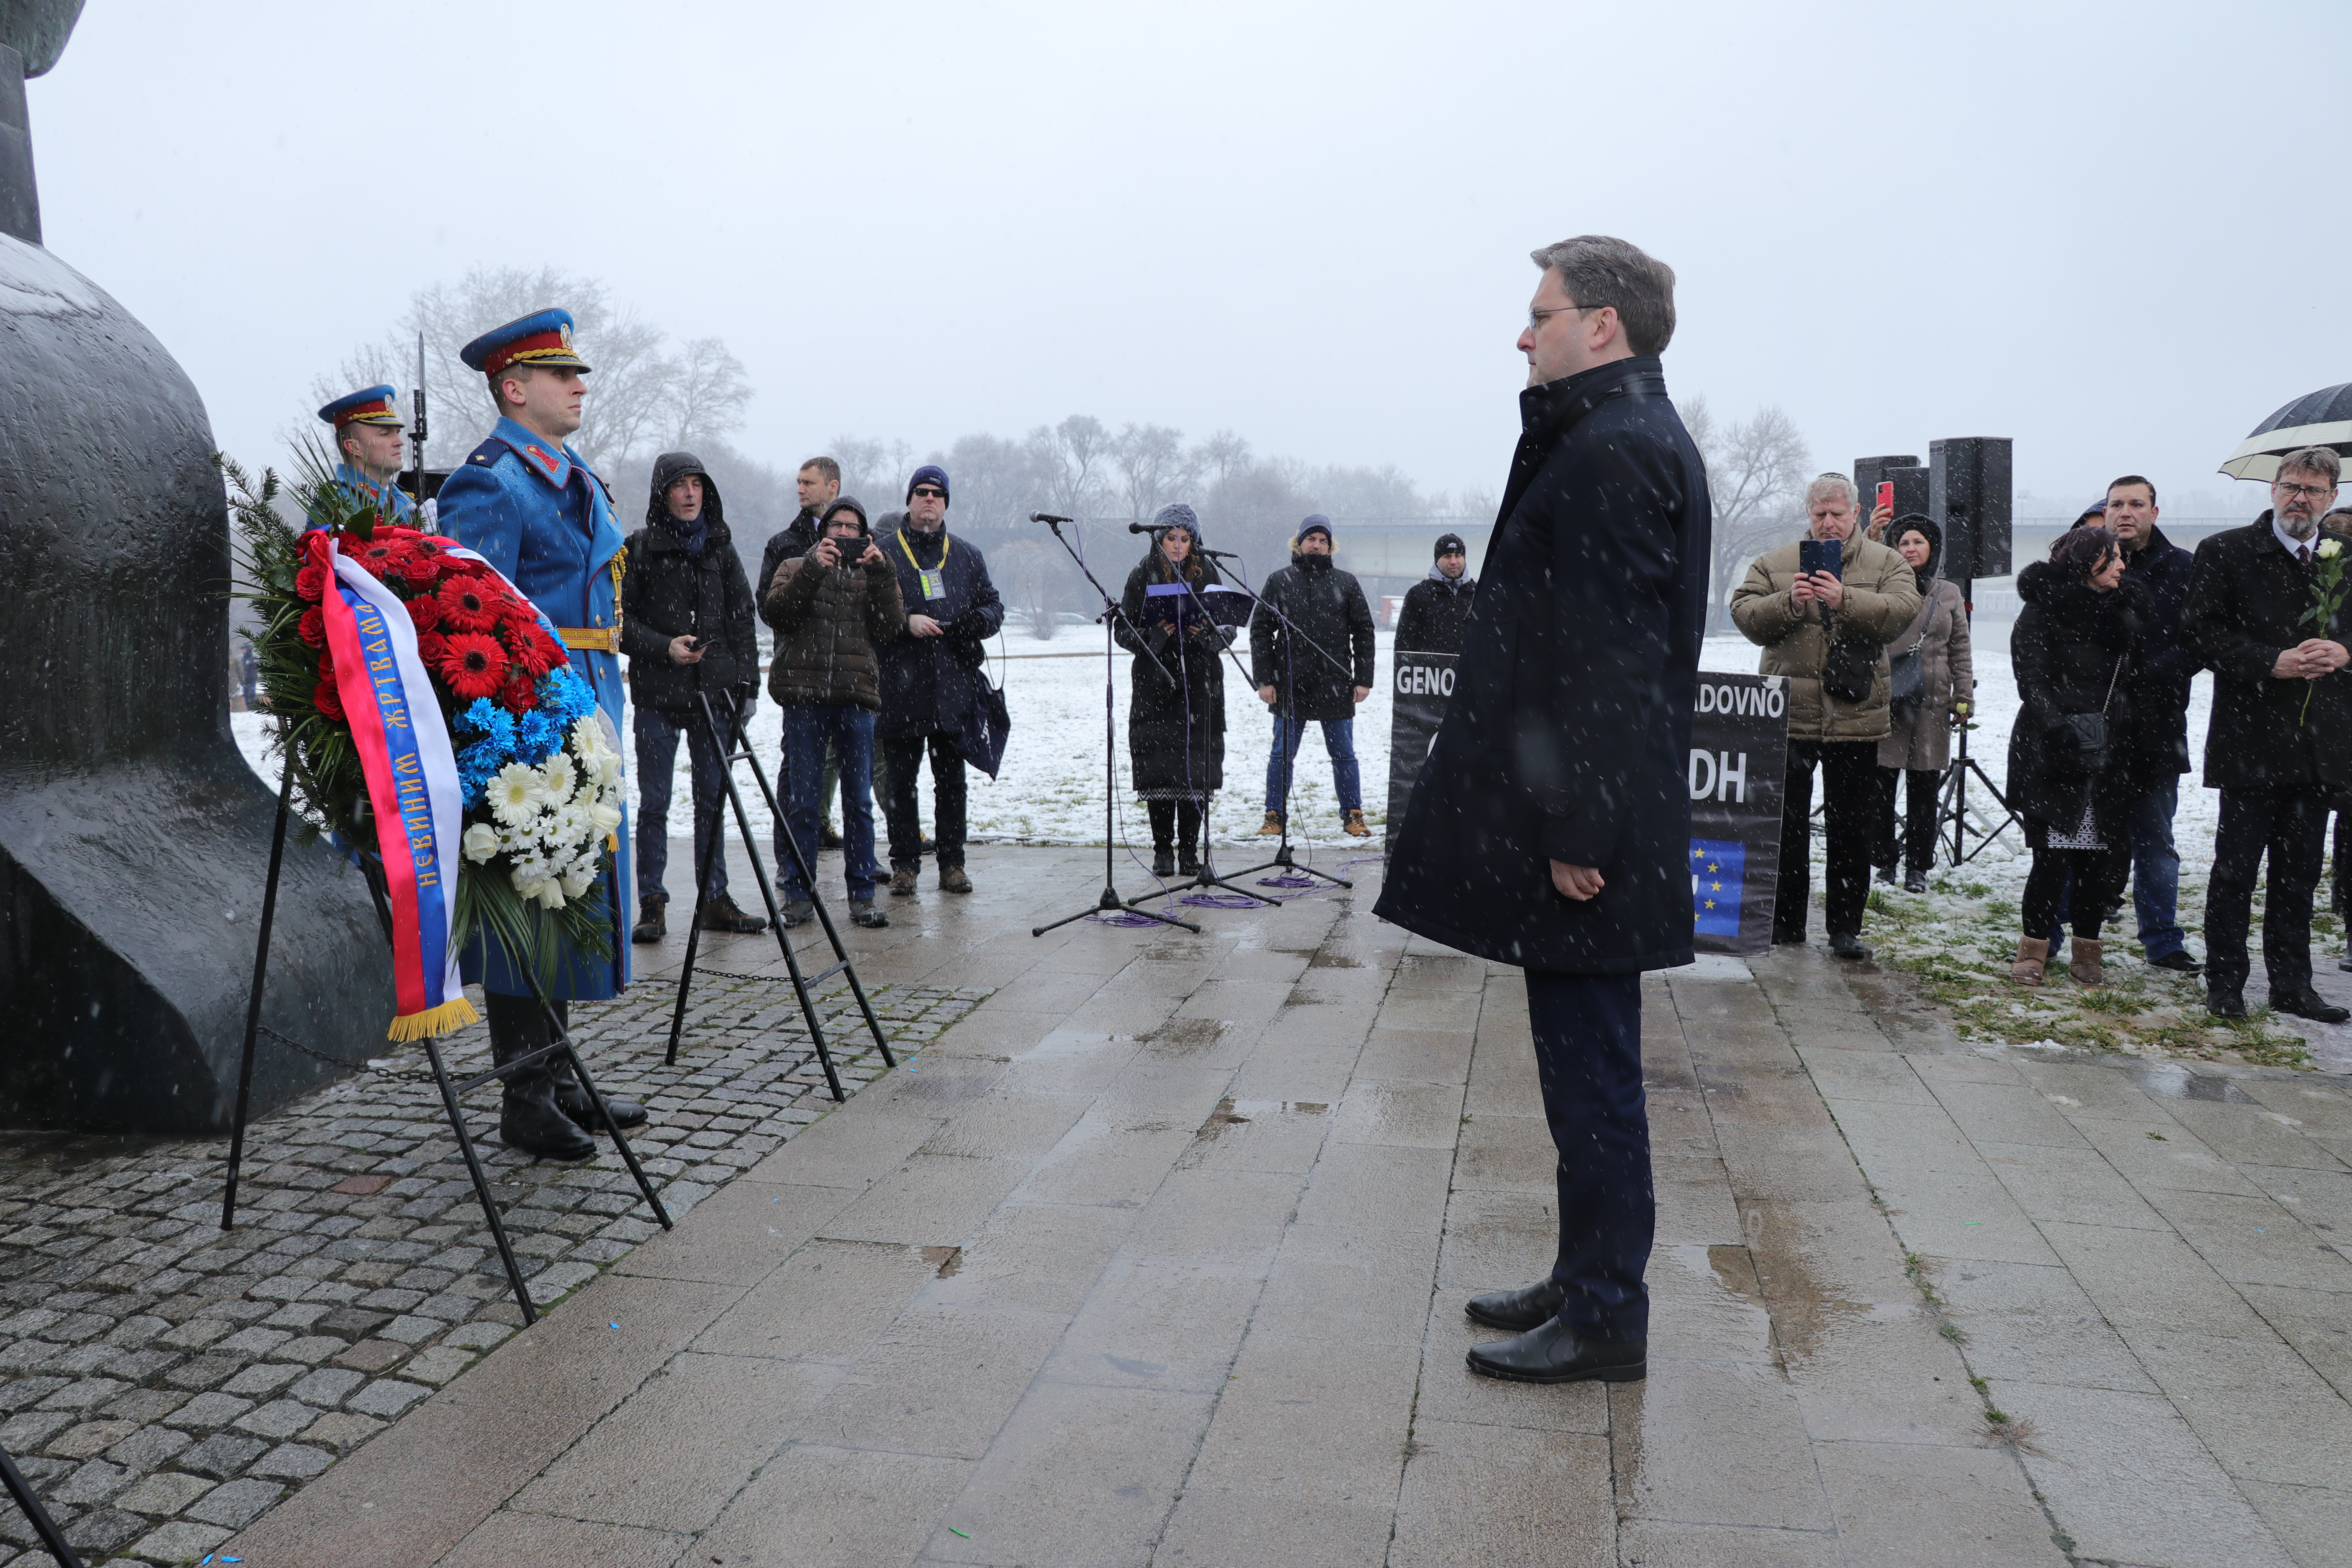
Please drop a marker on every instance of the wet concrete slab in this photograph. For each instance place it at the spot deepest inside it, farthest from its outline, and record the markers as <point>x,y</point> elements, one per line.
<point>1159,1254</point>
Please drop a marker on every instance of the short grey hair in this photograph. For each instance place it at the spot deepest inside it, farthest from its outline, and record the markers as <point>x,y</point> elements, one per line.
<point>2320,460</point>
<point>1829,484</point>
<point>1599,270</point>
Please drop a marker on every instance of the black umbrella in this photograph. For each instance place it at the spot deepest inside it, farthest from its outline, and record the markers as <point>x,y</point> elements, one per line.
<point>2322,418</point>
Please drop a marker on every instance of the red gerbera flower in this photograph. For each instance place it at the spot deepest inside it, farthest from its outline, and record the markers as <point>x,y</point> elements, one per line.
<point>472,665</point>
<point>469,605</point>
<point>379,556</point>
<point>326,700</point>
<point>310,583</point>
<point>534,649</point>
<point>521,693</point>
<point>312,627</point>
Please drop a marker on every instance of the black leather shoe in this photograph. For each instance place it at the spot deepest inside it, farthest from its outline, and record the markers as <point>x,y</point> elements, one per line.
<point>1163,862</point>
<point>827,838</point>
<point>1518,1310</point>
<point>1552,1352</point>
<point>720,914</point>
<point>572,1100</point>
<point>1885,875</point>
<point>863,912</point>
<point>1788,939</point>
<point>1845,944</point>
<point>1916,883</point>
<point>1188,861</point>
<point>2308,1004</point>
<point>2225,1004</point>
<point>2178,963</point>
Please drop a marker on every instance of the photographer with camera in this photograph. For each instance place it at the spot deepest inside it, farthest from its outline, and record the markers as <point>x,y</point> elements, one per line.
<point>686,624</point>
<point>832,609</point>
<point>1823,608</point>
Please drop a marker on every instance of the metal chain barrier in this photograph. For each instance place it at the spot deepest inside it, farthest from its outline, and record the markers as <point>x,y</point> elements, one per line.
<point>397,1075</point>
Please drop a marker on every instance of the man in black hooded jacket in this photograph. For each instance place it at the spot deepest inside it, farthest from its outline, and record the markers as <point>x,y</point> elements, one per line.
<point>1311,655</point>
<point>687,624</point>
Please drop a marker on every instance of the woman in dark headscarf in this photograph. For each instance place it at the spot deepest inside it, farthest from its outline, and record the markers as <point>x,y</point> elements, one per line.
<point>1176,689</point>
<point>2071,649</point>
<point>1931,659</point>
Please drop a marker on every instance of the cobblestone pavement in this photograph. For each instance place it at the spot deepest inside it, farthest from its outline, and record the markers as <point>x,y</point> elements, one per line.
<point>163,1384</point>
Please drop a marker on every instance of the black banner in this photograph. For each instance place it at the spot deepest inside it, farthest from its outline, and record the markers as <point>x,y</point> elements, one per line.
<point>1740,749</point>
<point>1419,685</point>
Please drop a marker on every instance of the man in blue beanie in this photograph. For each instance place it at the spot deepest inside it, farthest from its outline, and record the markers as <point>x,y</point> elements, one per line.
<point>1311,655</point>
<point>931,678</point>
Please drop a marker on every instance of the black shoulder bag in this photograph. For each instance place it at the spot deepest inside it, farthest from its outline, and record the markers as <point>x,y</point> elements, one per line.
<point>2087,733</point>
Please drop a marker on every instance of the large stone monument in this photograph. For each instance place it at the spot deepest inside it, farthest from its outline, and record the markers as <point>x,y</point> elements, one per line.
<point>133,839</point>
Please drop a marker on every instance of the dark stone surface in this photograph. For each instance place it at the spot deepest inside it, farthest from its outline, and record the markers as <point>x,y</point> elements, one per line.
<point>133,839</point>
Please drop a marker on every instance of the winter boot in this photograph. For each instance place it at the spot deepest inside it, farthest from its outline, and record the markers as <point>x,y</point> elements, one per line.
<point>720,914</point>
<point>798,913</point>
<point>902,880</point>
<point>1354,826</point>
<point>953,881</point>
<point>863,912</point>
<point>2086,967</point>
<point>1271,827</point>
<point>529,1117</point>
<point>1188,859</point>
<point>2033,952</point>
<point>1163,861</point>
<point>651,925</point>
<point>827,838</point>
<point>571,1095</point>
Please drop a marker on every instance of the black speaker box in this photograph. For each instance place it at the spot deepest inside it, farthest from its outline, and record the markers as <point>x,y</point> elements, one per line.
<point>1968,496</point>
<point>1869,471</point>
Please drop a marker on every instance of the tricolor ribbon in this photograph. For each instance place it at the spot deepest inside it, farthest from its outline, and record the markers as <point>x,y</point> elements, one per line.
<point>412,779</point>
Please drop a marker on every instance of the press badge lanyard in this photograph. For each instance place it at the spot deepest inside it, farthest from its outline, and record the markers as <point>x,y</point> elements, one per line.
<point>934,583</point>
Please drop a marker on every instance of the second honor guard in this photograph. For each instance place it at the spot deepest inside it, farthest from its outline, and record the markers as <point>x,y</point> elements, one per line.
<point>367,450</point>
<point>526,502</point>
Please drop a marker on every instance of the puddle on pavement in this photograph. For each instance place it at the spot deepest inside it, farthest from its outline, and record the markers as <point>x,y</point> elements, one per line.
<point>1231,1113</point>
<point>1186,1036</point>
<point>2170,1081</point>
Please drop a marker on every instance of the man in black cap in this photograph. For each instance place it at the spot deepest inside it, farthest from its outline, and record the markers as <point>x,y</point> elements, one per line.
<point>687,627</point>
<point>1311,655</point>
<point>931,678</point>
<point>1437,608</point>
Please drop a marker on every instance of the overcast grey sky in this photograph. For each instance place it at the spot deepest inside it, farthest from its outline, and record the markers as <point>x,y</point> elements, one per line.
<point>2108,231</point>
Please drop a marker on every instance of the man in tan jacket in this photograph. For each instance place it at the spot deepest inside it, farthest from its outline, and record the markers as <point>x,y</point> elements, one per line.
<point>1869,603</point>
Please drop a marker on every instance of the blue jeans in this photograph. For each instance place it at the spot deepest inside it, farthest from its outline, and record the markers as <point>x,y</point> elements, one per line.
<point>2156,870</point>
<point>1588,1044</point>
<point>656,735</point>
<point>1339,738</point>
<point>809,727</point>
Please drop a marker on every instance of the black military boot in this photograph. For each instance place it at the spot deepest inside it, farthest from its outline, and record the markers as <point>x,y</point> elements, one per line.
<point>653,924</point>
<point>571,1097</point>
<point>529,1117</point>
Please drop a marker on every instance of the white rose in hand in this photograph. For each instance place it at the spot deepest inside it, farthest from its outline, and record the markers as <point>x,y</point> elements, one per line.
<point>2329,549</point>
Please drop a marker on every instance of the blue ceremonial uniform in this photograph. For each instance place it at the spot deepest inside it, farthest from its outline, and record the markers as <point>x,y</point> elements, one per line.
<point>531,509</point>
<point>390,500</point>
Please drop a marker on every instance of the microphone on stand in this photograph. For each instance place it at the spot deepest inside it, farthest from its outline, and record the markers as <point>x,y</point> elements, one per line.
<point>1220,554</point>
<point>1048,518</point>
<point>1141,528</point>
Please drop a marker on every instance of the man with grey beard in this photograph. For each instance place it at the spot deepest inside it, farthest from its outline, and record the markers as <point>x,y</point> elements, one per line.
<point>2279,746</point>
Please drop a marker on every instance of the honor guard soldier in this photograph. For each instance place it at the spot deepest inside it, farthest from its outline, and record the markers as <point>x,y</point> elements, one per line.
<point>368,429</point>
<point>528,506</point>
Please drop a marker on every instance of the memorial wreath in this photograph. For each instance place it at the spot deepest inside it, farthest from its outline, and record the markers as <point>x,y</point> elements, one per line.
<point>430,717</point>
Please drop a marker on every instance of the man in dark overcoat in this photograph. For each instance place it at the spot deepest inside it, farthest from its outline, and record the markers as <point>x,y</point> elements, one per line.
<point>1550,828</point>
<point>932,678</point>
<point>2279,744</point>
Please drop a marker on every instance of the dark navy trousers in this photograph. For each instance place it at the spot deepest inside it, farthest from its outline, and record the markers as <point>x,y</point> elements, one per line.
<point>1588,1040</point>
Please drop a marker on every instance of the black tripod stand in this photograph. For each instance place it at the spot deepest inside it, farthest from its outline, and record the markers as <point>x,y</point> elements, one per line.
<point>1292,739</point>
<point>1952,809</point>
<point>1108,902</point>
<point>732,749</point>
<point>451,1092</point>
<point>53,1539</point>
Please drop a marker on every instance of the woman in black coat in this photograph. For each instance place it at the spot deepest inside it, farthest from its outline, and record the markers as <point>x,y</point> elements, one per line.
<point>2072,649</point>
<point>1176,689</point>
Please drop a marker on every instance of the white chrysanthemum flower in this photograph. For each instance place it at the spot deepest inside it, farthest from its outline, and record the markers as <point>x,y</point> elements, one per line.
<point>517,794</point>
<point>562,777</point>
<point>482,842</point>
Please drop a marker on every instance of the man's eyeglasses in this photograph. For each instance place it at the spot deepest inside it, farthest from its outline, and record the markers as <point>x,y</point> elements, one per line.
<point>2307,492</point>
<point>930,493</point>
<point>1536,317</point>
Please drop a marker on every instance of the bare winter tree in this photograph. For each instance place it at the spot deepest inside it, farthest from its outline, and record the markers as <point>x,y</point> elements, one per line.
<point>1152,467</point>
<point>1756,471</point>
<point>1074,459</point>
<point>640,399</point>
<point>875,472</point>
